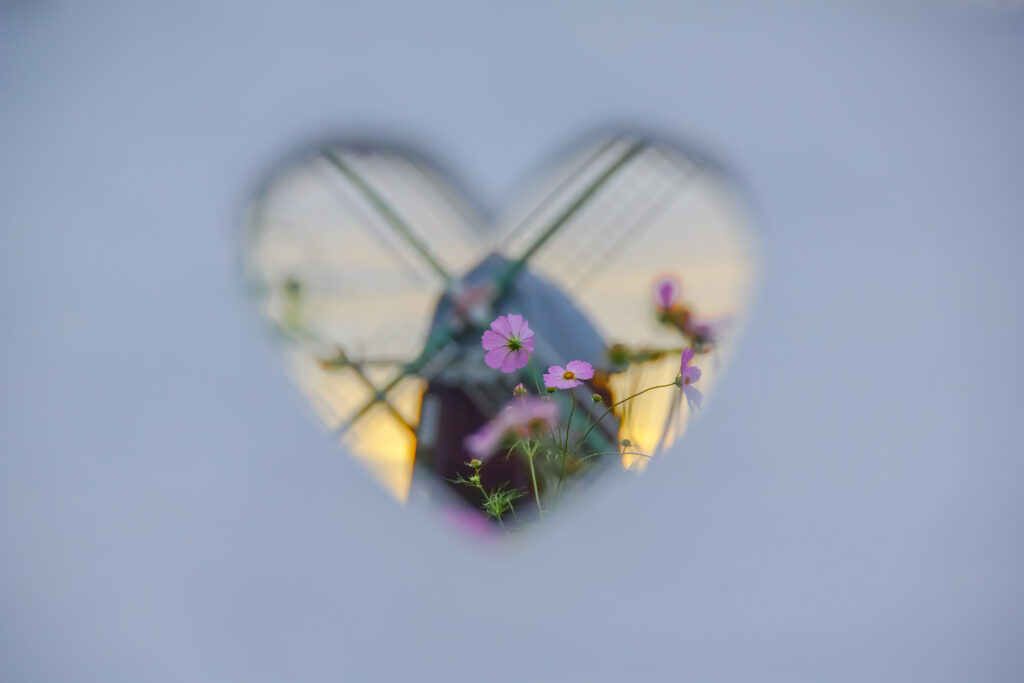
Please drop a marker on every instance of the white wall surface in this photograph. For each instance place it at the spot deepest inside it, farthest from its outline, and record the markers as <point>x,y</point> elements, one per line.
<point>848,508</point>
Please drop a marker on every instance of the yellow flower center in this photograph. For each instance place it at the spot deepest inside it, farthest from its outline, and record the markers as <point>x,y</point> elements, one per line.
<point>569,374</point>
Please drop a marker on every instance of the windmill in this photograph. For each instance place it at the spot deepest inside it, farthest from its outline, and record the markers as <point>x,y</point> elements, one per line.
<point>607,198</point>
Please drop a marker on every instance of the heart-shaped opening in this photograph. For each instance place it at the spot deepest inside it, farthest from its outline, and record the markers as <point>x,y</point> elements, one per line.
<point>498,369</point>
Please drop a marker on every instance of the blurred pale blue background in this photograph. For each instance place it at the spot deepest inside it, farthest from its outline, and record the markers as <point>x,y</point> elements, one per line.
<point>847,509</point>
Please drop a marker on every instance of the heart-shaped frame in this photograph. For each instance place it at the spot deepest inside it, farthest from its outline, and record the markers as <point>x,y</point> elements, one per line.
<point>380,280</point>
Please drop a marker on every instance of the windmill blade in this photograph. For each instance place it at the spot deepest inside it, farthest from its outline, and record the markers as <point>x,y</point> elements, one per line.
<point>615,237</point>
<point>607,251</point>
<point>371,249</point>
<point>434,347</point>
<point>536,240</point>
<point>445,335</point>
<point>389,215</point>
<point>425,200</point>
<point>358,369</point>
<point>639,181</point>
<point>624,154</point>
<point>350,249</point>
<point>557,195</point>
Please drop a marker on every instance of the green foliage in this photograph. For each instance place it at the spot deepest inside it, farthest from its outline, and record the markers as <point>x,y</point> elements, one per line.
<point>497,503</point>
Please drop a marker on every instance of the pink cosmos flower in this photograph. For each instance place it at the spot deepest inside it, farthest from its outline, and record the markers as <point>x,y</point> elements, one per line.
<point>518,417</point>
<point>570,376</point>
<point>508,343</point>
<point>688,374</point>
<point>666,292</point>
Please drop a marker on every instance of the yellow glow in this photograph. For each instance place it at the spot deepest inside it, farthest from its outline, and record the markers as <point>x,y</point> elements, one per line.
<point>654,420</point>
<point>387,448</point>
<point>382,441</point>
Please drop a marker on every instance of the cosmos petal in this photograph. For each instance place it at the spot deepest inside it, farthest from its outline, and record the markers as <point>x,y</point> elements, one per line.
<point>492,340</point>
<point>511,362</point>
<point>496,358</point>
<point>582,369</point>
<point>693,373</point>
<point>553,376</point>
<point>515,324</point>
<point>522,358</point>
<point>482,442</point>
<point>501,326</point>
<point>693,396</point>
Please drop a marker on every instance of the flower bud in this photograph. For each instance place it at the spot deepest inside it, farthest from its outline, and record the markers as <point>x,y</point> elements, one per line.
<point>626,443</point>
<point>475,463</point>
<point>520,390</point>
<point>552,390</point>
<point>596,398</point>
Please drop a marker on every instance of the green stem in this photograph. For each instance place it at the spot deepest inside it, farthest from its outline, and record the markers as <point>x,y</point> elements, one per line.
<point>568,424</point>
<point>613,406</point>
<point>533,477</point>
<point>483,491</point>
<point>540,394</point>
<point>594,455</point>
<point>565,446</point>
<point>533,374</point>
